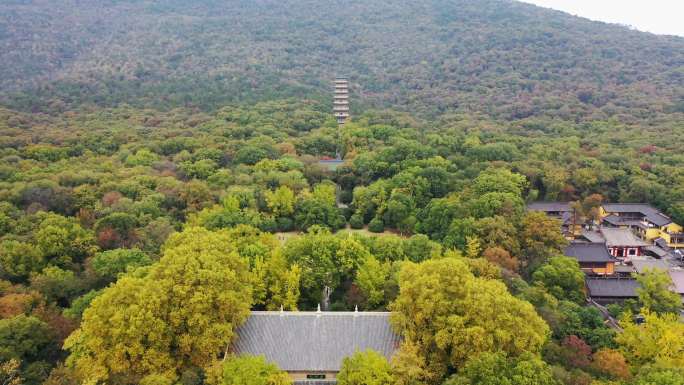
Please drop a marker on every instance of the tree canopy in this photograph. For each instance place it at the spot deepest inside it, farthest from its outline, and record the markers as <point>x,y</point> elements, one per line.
<point>450,315</point>
<point>180,313</point>
<point>248,370</point>
<point>168,166</point>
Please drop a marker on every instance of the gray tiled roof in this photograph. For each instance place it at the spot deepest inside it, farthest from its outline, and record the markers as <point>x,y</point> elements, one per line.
<point>617,221</point>
<point>588,252</point>
<point>656,250</point>
<point>660,242</point>
<point>549,206</point>
<point>313,341</point>
<point>593,236</point>
<point>642,264</point>
<point>651,213</point>
<point>621,237</point>
<point>614,220</point>
<point>612,288</point>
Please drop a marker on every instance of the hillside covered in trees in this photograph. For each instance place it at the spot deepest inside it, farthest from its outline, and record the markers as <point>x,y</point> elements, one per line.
<point>500,58</point>
<point>160,178</point>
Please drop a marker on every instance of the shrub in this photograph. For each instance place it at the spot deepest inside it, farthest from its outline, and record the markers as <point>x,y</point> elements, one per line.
<point>376,226</point>
<point>356,221</point>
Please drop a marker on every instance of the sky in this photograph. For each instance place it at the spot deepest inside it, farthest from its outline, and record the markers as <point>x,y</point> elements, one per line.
<point>656,16</point>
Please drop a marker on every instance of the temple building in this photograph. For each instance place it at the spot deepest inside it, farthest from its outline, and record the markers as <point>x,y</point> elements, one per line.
<point>606,291</point>
<point>646,221</point>
<point>593,258</point>
<point>310,346</point>
<point>622,243</point>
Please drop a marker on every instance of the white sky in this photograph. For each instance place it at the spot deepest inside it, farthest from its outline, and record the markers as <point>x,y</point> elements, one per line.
<point>656,16</point>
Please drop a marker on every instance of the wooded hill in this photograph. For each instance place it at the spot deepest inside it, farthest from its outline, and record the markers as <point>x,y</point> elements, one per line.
<point>500,58</point>
<point>159,160</point>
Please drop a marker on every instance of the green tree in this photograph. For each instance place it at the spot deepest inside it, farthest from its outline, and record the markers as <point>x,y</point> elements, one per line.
<point>458,233</point>
<point>109,264</point>
<point>180,313</point>
<point>541,239</point>
<point>356,221</point>
<point>659,376</point>
<point>496,204</point>
<point>496,368</point>
<point>435,218</point>
<point>311,211</point>
<point>61,237</point>
<point>365,368</point>
<point>18,260</point>
<point>250,370</point>
<point>281,202</point>
<point>276,283</point>
<point>26,339</point>
<point>498,180</point>
<point>325,192</point>
<point>654,292</point>
<point>452,315</point>
<point>251,154</point>
<point>201,169</point>
<point>350,254</point>
<point>316,254</point>
<point>371,278</point>
<point>142,157</point>
<point>80,304</point>
<point>419,248</point>
<point>57,285</point>
<point>399,211</point>
<point>498,232</point>
<point>562,277</point>
<point>376,225</point>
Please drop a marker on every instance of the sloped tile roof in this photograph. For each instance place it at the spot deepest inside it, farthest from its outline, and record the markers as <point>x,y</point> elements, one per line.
<point>588,252</point>
<point>614,220</point>
<point>612,288</point>
<point>642,264</point>
<point>313,341</point>
<point>651,213</point>
<point>593,236</point>
<point>658,251</point>
<point>621,237</point>
<point>549,206</point>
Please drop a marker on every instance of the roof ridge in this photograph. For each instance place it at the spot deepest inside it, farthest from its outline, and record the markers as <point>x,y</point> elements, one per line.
<point>316,313</point>
<point>627,203</point>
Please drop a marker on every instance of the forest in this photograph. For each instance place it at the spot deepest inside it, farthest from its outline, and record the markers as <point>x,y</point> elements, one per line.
<point>103,209</point>
<point>160,178</point>
<point>497,58</point>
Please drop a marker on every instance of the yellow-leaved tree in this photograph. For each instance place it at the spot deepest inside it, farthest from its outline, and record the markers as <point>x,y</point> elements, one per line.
<point>658,341</point>
<point>448,315</point>
<point>179,313</point>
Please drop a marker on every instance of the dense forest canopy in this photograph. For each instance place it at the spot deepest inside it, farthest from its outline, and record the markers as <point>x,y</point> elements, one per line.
<point>159,160</point>
<point>500,58</point>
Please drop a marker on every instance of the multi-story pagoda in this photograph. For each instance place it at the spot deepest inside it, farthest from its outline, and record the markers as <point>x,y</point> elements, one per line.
<point>341,102</point>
